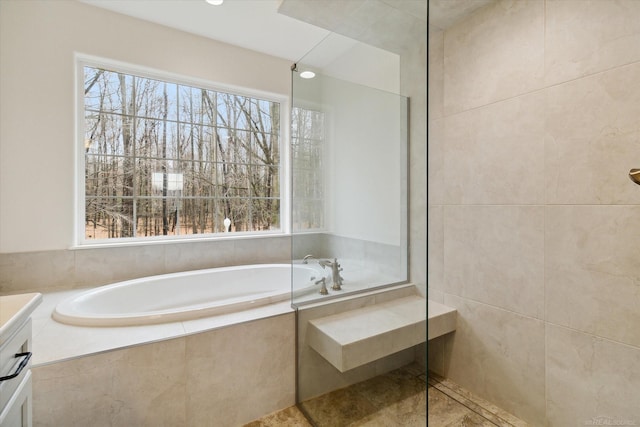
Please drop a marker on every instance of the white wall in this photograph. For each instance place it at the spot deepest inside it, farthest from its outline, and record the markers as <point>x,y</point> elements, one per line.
<point>38,40</point>
<point>364,162</point>
<point>362,158</point>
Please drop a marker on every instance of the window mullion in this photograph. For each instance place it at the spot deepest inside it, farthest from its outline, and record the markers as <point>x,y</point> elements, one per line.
<point>134,121</point>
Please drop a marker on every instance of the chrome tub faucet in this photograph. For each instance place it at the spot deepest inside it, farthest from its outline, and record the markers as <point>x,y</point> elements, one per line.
<point>336,268</point>
<point>335,272</point>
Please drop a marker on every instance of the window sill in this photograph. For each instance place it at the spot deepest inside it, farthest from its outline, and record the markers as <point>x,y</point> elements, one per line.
<point>177,240</point>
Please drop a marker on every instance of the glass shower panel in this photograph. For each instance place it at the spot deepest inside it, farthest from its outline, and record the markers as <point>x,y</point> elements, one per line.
<point>349,176</point>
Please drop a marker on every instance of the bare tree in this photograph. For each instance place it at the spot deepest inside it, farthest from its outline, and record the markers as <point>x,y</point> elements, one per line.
<point>217,155</point>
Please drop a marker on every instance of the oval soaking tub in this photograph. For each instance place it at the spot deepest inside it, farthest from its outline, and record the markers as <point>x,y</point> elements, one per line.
<point>182,296</point>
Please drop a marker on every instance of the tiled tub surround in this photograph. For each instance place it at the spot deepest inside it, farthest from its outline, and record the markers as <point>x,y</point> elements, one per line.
<point>48,271</point>
<point>533,231</point>
<point>56,270</point>
<point>375,263</point>
<point>184,296</point>
<point>192,373</point>
<point>196,372</point>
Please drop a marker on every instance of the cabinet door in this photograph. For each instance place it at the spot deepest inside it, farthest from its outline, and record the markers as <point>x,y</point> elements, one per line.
<point>17,412</point>
<point>15,393</point>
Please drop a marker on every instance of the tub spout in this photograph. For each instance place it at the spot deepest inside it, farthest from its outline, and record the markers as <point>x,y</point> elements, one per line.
<point>305,260</point>
<point>335,272</point>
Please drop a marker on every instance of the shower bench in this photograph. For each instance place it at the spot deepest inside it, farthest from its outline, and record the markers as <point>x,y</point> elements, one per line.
<point>442,319</point>
<point>351,339</point>
<point>356,337</point>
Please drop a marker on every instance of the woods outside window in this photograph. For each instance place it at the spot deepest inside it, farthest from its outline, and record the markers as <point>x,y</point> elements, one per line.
<point>162,158</point>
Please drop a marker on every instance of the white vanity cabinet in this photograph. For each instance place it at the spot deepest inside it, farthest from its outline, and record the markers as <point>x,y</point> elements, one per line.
<point>15,359</point>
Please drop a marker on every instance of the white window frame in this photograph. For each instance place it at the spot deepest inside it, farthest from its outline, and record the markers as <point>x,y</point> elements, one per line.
<point>79,239</point>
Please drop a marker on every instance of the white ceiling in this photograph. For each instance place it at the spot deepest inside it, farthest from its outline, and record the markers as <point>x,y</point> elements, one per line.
<point>252,24</point>
<point>257,25</point>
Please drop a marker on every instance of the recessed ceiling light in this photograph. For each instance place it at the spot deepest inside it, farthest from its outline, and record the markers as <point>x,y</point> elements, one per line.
<point>307,74</point>
<point>215,2</point>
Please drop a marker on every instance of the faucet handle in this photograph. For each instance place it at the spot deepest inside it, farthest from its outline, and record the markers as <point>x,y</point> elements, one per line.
<point>323,289</point>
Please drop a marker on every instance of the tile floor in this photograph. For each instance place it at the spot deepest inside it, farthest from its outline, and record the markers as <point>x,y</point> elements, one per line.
<point>450,405</point>
<point>398,398</point>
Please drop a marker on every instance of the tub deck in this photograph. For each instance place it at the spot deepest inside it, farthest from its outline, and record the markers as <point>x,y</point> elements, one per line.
<point>53,341</point>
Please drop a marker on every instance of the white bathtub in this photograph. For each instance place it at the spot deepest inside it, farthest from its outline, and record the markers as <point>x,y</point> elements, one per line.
<point>182,296</point>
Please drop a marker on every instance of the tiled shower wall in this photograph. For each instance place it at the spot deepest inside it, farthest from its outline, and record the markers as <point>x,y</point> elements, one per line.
<point>533,222</point>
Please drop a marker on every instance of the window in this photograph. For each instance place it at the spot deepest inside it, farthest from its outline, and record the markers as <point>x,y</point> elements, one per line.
<point>163,158</point>
<point>307,142</point>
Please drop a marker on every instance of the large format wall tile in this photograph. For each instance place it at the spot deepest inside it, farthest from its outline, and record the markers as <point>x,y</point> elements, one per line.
<point>36,271</point>
<point>148,385</point>
<point>495,255</point>
<point>206,254</point>
<point>435,157</point>
<point>590,381</point>
<point>142,386</point>
<point>593,270</point>
<point>435,257</point>
<point>541,116</point>
<point>238,374</point>
<point>393,30</point>
<point>436,74</point>
<point>68,269</point>
<point>498,355</point>
<point>222,377</point>
<point>495,54</point>
<point>107,265</point>
<point>262,250</point>
<point>593,138</point>
<point>414,65</point>
<point>587,36</point>
<point>495,154</point>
